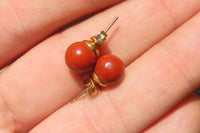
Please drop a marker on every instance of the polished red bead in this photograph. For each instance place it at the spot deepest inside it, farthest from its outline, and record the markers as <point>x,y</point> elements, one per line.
<point>109,69</point>
<point>79,57</point>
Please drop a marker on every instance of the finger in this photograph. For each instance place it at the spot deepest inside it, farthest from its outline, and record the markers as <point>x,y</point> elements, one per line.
<point>185,118</point>
<point>45,73</point>
<point>153,84</point>
<point>25,23</point>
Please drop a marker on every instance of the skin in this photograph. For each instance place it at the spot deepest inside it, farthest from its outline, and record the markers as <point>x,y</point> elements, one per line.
<point>157,40</point>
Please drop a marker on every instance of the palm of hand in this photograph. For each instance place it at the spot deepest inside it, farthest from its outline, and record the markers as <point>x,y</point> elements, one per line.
<point>157,40</point>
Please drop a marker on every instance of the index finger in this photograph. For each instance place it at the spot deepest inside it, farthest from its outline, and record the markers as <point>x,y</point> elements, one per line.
<point>25,23</point>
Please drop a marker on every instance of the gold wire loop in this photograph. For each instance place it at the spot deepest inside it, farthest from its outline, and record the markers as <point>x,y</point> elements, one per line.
<point>90,90</point>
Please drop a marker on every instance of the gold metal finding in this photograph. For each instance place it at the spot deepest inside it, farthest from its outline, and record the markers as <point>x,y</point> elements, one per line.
<point>97,81</point>
<point>99,39</point>
<point>109,26</point>
<point>90,90</point>
<point>93,46</point>
<point>83,92</point>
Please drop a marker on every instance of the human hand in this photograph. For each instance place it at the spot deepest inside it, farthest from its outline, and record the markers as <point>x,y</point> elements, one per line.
<point>158,41</point>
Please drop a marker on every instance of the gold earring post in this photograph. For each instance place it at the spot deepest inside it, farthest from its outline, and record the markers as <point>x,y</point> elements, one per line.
<point>109,26</point>
<point>74,100</point>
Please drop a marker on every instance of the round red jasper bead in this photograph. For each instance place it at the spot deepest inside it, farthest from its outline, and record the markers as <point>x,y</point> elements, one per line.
<point>79,57</point>
<point>109,69</point>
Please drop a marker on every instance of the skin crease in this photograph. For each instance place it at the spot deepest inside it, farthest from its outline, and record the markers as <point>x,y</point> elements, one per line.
<point>175,121</point>
<point>41,83</point>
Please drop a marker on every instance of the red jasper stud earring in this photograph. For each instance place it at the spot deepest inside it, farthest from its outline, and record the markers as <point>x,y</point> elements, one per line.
<point>108,70</point>
<point>81,56</point>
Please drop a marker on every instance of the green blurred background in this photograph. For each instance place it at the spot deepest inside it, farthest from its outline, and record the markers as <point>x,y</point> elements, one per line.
<point>198,91</point>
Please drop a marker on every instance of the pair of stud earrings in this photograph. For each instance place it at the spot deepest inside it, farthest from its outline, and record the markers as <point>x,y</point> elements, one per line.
<point>83,57</point>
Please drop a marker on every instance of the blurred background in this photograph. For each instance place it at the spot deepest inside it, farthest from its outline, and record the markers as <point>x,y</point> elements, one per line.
<point>198,92</point>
